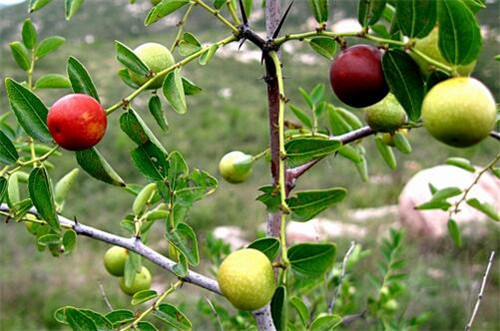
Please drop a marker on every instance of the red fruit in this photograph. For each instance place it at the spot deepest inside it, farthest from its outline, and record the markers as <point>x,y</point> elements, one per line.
<point>356,76</point>
<point>77,122</point>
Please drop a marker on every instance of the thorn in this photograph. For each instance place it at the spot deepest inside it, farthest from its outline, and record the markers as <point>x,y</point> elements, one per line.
<point>75,220</point>
<point>243,14</point>
<point>242,42</point>
<point>283,18</point>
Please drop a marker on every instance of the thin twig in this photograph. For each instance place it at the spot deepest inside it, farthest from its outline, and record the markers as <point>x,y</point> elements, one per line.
<point>101,288</point>
<point>210,304</point>
<point>481,291</point>
<point>331,305</point>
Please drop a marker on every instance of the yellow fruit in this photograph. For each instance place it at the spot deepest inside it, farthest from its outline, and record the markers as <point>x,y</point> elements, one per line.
<point>114,260</point>
<point>429,46</point>
<point>157,57</point>
<point>142,281</point>
<point>459,111</point>
<point>246,278</point>
<point>385,116</point>
<point>236,167</point>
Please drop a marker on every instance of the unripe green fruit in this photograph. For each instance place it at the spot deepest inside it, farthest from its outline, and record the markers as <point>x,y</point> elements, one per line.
<point>114,260</point>
<point>157,57</point>
<point>429,46</point>
<point>459,111</point>
<point>391,305</point>
<point>142,281</point>
<point>236,167</point>
<point>385,116</point>
<point>246,278</point>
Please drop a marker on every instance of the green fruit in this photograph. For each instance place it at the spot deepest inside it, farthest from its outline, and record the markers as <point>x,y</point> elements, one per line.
<point>246,278</point>
<point>236,167</point>
<point>459,111</point>
<point>429,46</point>
<point>386,115</point>
<point>391,305</point>
<point>157,57</point>
<point>142,281</point>
<point>114,260</point>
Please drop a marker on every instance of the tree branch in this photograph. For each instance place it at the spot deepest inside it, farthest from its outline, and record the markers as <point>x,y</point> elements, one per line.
<point>134,245</point>
<point>495,135</point>
<point>264,318</point>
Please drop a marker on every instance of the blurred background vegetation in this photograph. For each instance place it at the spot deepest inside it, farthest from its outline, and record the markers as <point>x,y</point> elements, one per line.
<point>229,114</point>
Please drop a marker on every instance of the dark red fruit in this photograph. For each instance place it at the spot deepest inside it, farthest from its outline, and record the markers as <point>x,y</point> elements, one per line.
<point>356,76</point>
<point>77,122</point>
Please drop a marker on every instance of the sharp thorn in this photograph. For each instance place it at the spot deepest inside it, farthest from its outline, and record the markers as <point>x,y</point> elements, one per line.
<point>243,14</point>
<point>282,21</point>
<point>242,42</point>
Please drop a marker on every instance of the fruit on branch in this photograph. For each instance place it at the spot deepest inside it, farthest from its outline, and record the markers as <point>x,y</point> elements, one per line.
<point>114,260</point>
<point>142,281</point>
<point>77,122</point>
<point>385,116</point>
<point>356,76</point>
<point>429,46</point>
<point>388,138</point>
<point>459,111</point>
<point>157,57</point>
<point>236,167</point>
<point>246,278</point>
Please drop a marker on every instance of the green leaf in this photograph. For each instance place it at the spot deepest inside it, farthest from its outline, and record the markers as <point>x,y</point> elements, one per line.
<point>320,9</point>
<point>13,194</point>
<point>173,90</point>
<point>137,130</point>
<point>49,239</point>
<point>64,185</point>
<point>69,241</point>
<point>311,260</point>
<point>302,116</point>
<point>30,111</point>
<point>92,161</point>
<point>402,143</point>
<point>307,204</point>
<point>188,45</point>
<point>485,208</point>
<point>475,5</point>
<point>53,81</point>
<point>130,60</point>
<point>454,232</point>
<point>120,316</point>
<point>416,18</point>
<point>461,163</point>
<point>269,246</point>
<point>270,197</point>
<point>172,316</point>
<point>20,55</point>
<point>80,78</point>
<point>124,75</point>
<point>386,153</point>
<point>101,322</point>
<point>434,204</point>
<point>218,3</point>
<point>143,296</point>
<point>3,188</point>
<point>163,9</point>
<point>29,34</point>
<point>301,309</point>
<point>303,150</point>
<point>38,4</point>
<point>185,241</point>
<point>79,321</point>
<point>71,7</point>
<point>208,55</point>
<point>60,316</point>
<point>8,152</point>
<point>459,34</point>
<point>156,110</point>
<point>198,185</point>
<point>405,81</point>
<point>178,168</point>
<point>325,322</point>
<point>190,88</point>
<point>325,47</point>
<point>133,265</point>
<point>350,153</point>
<point>351,119</point>
<point>279,308</point>
<point>146,326</point>
<point>338,123</point>
<point>48,45</point>
<point>369,11</point>
<point>362,168</point>
<point>40,189</point>
<point>181,268</point>
<point>446,193</point>
<point>150,161</point>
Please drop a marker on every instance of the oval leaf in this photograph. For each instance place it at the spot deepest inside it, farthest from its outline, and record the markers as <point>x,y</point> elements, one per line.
<point>130,60</point>
<point>279,308</point>
<point>40,189</point>
<point>20,55</point>
<point>386,153</point>
<point>79,321</point>
<point>137,130</point>
<point>208,55</point>
<point>461,163</point>
<point>173,90</point>
<point>71,7</point>
<point>143,296</point>
<point>172,316</point>
<point>311,260</point>
<point>80,78</point>
<point>53,81</point>
<point>307,204</point>
<point>416,18</point>
<point>320,9</point>
<point>269,246</point>
<point>8,152</point>
<point>325,47</point>
<point>29,34</point>
<point>369,11</point>
<point>48,45</point>
<point>69,241</point>
<point>485,208</point>
<point>185,241</point>
<point>156,110</point>
<point>164,8</point>
<point>301,309</point>
<point>119,316</point>
<point>454,232</point>
<point>96,166</point>
<point>38,4</point>
<point>303,150</point>
<point>150,161</point>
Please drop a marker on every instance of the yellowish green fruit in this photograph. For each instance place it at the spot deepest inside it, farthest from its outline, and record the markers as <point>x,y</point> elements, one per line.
<point>429,46</point>
<point>385,116</point>
<point>391,305</point>
<point>388,138</point>
<point>236,167</point>
<point>246,278</point>
<point>142,281</point>
<point>459,111</point>
<point>157,57</point>
<point>114,260</point>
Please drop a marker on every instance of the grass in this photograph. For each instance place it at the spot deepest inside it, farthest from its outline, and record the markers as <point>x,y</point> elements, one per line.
<point>33,285</point>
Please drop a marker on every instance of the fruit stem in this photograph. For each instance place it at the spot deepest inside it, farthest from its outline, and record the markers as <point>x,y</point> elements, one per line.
<point>260,155</point>
<point>181,25</point>
<point>218,15</point>
<point>233,13</point>
<point>38,159</point>
<point>179,64</point>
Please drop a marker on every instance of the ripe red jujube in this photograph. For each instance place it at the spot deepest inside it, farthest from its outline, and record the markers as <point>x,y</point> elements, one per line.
<point>357,78</point>
<point>77,122</point>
